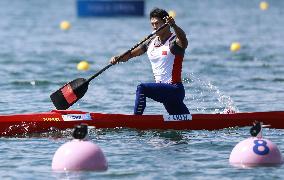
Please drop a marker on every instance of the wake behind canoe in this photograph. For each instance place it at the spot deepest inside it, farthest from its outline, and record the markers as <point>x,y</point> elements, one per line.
<point>15,124</point>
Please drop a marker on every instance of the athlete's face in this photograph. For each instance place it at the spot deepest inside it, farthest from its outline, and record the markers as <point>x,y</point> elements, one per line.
<point>156,23</point>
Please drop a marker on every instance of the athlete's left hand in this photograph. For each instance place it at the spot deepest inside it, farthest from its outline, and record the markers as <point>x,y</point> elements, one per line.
<point>170,21</point>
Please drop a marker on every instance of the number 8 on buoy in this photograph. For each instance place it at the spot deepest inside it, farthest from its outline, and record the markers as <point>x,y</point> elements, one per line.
<point>260,147</point>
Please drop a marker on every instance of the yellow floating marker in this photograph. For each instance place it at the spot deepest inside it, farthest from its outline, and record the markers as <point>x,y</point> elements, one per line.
<point>172,13</point>
<point>65,25</point>
<point>235,46</point>
<point>263,5</point>
<point>83,66</point>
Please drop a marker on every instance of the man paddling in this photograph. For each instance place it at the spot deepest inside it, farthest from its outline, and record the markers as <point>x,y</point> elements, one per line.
<point>165,52</point>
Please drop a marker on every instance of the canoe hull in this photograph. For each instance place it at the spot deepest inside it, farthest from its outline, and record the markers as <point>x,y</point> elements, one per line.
<point>17,124</point>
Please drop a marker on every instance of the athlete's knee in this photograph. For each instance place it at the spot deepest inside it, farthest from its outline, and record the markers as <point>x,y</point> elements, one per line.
<point>176,107</point>
<point>140,88</point>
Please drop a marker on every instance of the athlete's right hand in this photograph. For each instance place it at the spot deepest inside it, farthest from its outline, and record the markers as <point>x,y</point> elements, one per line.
<point>114,60</point>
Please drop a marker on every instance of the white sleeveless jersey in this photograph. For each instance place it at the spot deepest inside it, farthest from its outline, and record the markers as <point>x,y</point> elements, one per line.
<point>166,66</point>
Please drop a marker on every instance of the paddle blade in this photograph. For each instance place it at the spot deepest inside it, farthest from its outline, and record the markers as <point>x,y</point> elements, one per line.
<point>69,94</point>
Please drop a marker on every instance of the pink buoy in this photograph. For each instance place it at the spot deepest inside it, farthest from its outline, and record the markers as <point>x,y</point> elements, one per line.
<point>255,151</point>
<point>79,155</point>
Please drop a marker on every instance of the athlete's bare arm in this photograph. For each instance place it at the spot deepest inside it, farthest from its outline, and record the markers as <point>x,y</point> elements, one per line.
<point>181,39</point>
<point>135,52</point>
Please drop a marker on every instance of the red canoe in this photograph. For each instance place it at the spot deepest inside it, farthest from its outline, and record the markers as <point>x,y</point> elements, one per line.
<point>16,124</point>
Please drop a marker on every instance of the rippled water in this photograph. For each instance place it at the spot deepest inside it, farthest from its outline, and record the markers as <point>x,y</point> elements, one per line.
<point>37,58</point>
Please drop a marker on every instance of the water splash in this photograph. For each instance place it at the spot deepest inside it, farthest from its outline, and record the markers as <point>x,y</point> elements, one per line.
<point>203,96</point>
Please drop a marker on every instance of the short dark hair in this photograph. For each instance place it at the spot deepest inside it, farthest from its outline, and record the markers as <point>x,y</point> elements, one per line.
<point>158,13</point>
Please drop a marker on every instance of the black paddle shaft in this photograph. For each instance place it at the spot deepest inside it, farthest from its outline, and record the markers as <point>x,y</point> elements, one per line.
<point>128,51</point>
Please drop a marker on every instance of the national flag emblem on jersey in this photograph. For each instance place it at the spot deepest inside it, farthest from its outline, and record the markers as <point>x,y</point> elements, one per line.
<point>164,53</point>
